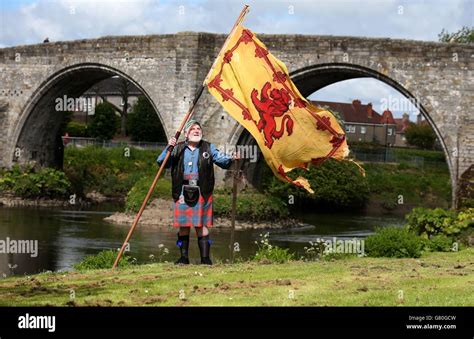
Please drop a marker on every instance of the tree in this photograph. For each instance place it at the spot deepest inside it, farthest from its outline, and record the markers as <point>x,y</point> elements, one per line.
<point>464,36</point>
<point>143,122</point>
<point>104,123</point>
<point>123,87</point>
<point>421,136</point>
<point>124,90</point>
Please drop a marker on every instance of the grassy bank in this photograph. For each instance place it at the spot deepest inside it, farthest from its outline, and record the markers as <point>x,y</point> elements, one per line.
<point>441,279</point>
<point>427,187</point>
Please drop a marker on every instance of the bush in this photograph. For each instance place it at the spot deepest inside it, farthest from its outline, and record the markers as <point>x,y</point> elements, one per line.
<point>270,253</point>
<point>250,205</point>
<point>394,242</point>
<point>110,171</point>
<point>440,243</point>
<point>430,222</point>
<point>27,183</point>
<point>76,129</point>
<point>421,136</point>
<point>337,184</point>
<point>143,122</point>
<point>466,237</point>
<point>102,260</point>
<point>104,122</point>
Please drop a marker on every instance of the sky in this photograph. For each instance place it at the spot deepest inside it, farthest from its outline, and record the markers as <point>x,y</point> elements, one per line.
<point>30,21</point>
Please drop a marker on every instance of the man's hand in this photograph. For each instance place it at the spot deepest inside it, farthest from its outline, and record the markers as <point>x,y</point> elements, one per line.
<point>236,156</point>
<point>172,141</point>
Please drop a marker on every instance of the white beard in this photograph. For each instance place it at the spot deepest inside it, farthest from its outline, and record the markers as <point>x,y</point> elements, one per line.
<point>194,138</point>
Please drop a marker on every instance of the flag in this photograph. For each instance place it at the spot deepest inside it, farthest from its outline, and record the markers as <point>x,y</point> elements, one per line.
<point>255,88</point>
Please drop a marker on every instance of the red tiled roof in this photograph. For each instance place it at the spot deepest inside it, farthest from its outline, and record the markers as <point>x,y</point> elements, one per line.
<point>402,124</point>
<point>387,117</point>
<point>356,112</point>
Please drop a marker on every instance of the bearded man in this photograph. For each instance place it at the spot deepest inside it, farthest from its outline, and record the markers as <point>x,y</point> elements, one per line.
<point>192,173</point>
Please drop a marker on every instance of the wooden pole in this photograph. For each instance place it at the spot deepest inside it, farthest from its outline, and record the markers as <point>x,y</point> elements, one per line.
<point>234,208</point>
<point>226,42</point>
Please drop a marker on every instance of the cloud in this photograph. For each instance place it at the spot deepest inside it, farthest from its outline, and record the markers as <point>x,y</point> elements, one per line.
<point>30,21</point>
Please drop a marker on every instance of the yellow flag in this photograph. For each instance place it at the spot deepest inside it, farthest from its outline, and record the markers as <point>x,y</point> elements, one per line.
<point>254,87</point>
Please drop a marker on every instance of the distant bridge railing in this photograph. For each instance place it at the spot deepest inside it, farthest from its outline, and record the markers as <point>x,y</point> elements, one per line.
<point>83,142</point>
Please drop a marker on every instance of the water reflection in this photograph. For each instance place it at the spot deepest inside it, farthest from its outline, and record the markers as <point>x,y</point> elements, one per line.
<point>66,236</point>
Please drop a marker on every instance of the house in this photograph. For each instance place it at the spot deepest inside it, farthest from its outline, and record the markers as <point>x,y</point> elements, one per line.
<point>363,123</point>
<point>111,89</point>
<point>402,125</point>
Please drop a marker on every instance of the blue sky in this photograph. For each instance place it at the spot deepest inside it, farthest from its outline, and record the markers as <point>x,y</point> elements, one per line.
<point>29,21</point>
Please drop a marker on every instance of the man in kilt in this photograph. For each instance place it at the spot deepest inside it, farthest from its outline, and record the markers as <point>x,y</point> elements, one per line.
<point>192,173</point>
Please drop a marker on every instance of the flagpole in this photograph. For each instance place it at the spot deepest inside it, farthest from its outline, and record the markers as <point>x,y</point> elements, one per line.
<point>242,14</point>
<point>170,148</point>
<point>240,18</point>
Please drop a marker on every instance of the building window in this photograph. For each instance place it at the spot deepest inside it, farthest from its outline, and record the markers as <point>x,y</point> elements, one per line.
<point>350,129</point>
<point>90,105</point>
<point>363,129</point>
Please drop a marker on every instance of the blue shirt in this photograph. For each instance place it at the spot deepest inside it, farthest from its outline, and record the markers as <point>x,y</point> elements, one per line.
<point>190,162</point>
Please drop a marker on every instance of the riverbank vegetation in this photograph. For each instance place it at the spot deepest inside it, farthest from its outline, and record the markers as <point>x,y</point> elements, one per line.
<point>27,183</point>
<point>126,174</point>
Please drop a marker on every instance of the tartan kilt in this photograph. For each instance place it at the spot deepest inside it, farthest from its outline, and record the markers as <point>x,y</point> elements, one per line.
<point>198,215</point>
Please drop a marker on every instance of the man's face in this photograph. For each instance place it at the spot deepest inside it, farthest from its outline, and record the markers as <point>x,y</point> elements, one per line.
<point>195,133</point>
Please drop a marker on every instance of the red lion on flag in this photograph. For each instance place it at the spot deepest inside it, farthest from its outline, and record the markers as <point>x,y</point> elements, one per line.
<point>270,107</point>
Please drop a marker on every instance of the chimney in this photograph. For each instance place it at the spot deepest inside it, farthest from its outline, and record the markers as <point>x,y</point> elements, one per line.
<point>418,119</point>
<point>370,112</point>
<point>356,102</point>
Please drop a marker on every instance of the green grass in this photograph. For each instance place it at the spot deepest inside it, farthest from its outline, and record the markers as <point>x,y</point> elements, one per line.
<point>428,187</point>
<point>435,279</point>
<point>427,155</point>
<point>138,192</point>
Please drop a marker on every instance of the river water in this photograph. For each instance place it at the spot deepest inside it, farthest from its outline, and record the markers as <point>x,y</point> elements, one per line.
<point>65,236</point>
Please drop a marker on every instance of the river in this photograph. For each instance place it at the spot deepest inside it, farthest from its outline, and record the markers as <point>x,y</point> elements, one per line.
<point>64,236</point>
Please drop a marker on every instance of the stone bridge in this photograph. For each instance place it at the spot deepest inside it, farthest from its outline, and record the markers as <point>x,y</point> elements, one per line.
<point>438,77</point>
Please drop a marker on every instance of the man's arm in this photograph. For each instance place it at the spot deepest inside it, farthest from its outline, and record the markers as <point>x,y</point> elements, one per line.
<point>161,157</point>
<point>221,159</point>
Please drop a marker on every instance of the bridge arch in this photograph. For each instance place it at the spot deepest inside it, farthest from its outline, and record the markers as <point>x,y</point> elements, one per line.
<point>37,132</point>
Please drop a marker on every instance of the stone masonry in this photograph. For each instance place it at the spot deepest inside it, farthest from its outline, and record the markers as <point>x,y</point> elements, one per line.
<point>169,69</point>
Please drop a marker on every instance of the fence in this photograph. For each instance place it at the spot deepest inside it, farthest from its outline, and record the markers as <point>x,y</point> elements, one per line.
<point>389,156</point>
<point>83,142</point>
